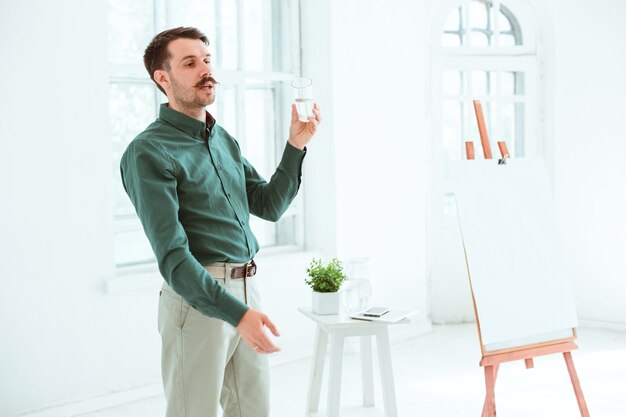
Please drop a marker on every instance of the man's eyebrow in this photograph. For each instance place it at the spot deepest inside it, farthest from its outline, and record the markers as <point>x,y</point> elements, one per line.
<point>193,56</point>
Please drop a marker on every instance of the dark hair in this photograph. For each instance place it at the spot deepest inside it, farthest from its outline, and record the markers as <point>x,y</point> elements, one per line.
<point>157,56</point>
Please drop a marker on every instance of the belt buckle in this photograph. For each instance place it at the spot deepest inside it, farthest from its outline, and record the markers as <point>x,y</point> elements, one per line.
<point>250,266</point>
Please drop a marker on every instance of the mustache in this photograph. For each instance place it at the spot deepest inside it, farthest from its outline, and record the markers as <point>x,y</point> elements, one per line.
<point>205,80</point>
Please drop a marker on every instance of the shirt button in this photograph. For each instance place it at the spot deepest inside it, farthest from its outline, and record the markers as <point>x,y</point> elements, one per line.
<point>228,194</point>
<point>219,167</point>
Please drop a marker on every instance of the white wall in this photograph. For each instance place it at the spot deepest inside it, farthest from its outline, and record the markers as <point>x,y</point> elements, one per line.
<point>590,140</point>
<point>375,120</point>
<point>63,338</point>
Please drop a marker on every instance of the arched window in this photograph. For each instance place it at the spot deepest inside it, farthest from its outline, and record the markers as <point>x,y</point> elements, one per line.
<point>480,50</point>
<point>475,24</point>
<point>486,55</point>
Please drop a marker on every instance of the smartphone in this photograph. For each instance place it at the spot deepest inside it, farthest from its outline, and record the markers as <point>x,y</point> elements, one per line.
<point>375,311</point>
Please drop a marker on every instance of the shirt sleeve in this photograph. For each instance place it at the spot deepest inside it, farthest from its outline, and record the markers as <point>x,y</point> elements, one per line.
<point>148,175</point>
<point>269,200</point>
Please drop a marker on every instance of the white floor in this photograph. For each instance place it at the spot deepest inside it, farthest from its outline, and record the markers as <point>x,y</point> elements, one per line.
<point>438,375</point>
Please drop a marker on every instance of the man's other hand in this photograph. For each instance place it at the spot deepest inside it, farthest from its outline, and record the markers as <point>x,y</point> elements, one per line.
<point>250,328</point>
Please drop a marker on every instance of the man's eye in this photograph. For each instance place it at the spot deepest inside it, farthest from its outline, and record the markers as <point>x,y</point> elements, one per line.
<point>189,64</point>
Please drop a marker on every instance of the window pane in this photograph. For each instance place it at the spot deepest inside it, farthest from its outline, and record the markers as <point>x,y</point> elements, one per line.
<point>130,30</point>
<point>264,231</point>
<point>480,83</point>
<point>196,13</point>
<point>450,40</point>
<point>503,128</point>
<point>507,39</point>
<point>257,35</point>
<point>511,83</point>
<point>503,22</point>
<point>227,109</point>
<point>454,22</point>
<point>452,83</point>
<point>227,51</point>
<point>510,127</point>
<point>260,132</point>
<point>507,83</point>
<point>260,138</point>
<point>132,248</point>
<point>230,113</point>
<point>478,39</point>
<point>132,109</point>
<point>286,230</point>
<point>477,15</point>
<point>452,117</point>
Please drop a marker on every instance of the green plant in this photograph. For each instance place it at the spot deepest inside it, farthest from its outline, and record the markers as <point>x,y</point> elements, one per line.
<point>325,278</point>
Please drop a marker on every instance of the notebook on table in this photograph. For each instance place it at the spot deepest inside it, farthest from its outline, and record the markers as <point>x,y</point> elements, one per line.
<point>393,315</point>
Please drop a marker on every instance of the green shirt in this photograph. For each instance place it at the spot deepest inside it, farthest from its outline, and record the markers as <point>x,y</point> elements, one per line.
<point>194,197</point>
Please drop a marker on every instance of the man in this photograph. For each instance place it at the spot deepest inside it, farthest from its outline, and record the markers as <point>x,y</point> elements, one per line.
<point>193,191</point>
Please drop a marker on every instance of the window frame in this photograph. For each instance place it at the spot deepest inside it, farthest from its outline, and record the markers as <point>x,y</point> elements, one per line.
<point>284,28</point>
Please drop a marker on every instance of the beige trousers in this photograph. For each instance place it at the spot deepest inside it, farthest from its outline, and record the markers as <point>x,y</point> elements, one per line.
<point>204,362</point>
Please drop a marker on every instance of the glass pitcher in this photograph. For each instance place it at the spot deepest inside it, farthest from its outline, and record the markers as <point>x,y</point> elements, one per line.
<point>357,288</point>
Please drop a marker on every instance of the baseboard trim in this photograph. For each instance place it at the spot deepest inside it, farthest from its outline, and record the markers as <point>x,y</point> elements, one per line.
<point>97,403</point>
<point>605,325</point>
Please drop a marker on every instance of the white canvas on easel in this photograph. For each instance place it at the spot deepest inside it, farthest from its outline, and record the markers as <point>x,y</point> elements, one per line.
<point>508,223</point>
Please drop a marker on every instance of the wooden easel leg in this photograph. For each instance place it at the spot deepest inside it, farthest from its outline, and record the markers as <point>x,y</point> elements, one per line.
<point>580,398</point>
<point>489,408</point>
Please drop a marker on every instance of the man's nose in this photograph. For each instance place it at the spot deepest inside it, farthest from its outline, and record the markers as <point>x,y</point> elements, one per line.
<point>207,69</point>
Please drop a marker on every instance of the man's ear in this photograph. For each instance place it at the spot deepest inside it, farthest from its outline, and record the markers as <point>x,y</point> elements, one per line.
<point>162,78</point>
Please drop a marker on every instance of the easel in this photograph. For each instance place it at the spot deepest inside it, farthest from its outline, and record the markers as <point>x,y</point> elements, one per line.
<point>491,360</point>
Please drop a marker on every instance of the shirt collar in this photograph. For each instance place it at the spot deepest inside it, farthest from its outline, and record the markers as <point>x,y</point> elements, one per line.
<point>185,123</point>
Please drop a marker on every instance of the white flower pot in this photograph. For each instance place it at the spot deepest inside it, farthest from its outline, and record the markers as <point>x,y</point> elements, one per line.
<point>325,302</point>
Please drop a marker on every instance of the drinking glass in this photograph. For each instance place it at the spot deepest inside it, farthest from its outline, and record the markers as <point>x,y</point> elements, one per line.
<point>357,288</point>
<point>304,97</point>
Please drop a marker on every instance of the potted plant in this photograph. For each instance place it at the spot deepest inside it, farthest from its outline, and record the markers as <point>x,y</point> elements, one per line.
<point>325,280</point>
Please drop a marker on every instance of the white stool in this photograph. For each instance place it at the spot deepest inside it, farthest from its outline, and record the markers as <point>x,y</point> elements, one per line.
<point>338,327</point>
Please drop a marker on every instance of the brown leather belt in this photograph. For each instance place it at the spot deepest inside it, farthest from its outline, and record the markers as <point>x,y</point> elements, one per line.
<point>236,272</point>
<point>248,270</point>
